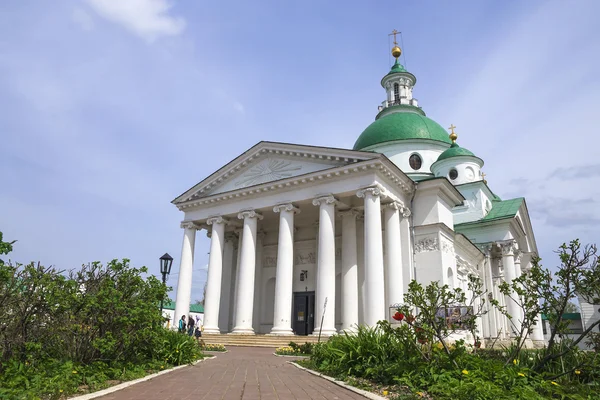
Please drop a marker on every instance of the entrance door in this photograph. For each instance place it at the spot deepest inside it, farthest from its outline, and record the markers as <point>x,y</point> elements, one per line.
<point>304,313</point>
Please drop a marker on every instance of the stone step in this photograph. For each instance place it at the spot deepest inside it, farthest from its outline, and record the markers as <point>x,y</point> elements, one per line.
<point>258,340</point>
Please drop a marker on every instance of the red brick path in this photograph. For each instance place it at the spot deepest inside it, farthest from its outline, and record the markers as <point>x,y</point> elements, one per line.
<point>248,373</point>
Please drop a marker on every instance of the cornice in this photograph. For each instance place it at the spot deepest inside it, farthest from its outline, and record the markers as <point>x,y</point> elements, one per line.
<point>375,164</point>
<point>262,149</point>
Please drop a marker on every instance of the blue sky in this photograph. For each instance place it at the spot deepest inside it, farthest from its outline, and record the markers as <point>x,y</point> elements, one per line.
<point>111,109</point>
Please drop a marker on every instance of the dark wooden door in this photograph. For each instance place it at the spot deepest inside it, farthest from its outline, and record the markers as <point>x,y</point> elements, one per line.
<point>304,313</point>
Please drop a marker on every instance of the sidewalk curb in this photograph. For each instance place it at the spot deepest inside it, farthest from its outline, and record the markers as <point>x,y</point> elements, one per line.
<point>285,355</point>
<point>364,393</point>
<point>124,385</point>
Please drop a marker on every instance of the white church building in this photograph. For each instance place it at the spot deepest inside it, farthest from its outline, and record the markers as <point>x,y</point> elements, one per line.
<point>307,239</point>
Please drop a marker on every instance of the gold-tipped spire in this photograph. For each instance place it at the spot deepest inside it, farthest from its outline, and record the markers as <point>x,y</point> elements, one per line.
<point>453,135</point>
<point>396,51</point>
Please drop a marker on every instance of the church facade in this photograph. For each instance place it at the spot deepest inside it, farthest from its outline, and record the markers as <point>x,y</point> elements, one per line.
<point>308,239</point>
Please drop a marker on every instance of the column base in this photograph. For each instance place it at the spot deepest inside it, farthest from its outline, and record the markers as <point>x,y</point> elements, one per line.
<point>281,332</point>
<point>242,331</point>
<point>211,331</point>
<point>350,330</point>
<point>324,332</point>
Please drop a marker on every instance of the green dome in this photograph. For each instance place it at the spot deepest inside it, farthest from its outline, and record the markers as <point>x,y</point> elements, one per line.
<point>455,151</point>
<point>401,126</point>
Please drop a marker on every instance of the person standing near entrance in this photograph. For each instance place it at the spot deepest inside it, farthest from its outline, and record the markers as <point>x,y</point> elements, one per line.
<point>190,326</point>
<point>182,324</point>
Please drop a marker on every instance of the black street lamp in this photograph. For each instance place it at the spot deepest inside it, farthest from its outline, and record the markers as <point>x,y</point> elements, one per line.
<point>166,261</point>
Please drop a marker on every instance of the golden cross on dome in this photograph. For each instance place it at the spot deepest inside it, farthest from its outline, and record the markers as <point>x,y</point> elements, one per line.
<point>453,135</point>
<point>483,178</point>
<point>394,32</point>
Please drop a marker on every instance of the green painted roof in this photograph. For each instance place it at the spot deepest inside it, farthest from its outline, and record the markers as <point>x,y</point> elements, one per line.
<point>566,316</point>
<point>501,209</point>
<point>504,209</point>
<point>401,126</point>
<point>397,67</point>
<point>455,151</point>
<point>197,308</point>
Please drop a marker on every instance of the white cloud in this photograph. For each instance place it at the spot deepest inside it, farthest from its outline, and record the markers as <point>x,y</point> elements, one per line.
<point>83,19</point>
<point>148,19</point>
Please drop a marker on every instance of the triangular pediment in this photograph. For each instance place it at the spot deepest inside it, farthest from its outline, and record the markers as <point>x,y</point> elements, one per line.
<point>270,162</point>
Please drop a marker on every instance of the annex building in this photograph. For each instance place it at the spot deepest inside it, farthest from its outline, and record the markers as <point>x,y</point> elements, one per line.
<point>307,239</point>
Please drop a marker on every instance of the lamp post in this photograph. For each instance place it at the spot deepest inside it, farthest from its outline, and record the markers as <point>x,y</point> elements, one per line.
<point>166,261</point>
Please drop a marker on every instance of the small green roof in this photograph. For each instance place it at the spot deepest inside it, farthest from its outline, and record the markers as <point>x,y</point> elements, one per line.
<point>455,151</point>
<point>504,209</point>
<point>566,316</point>
<point>501,209</point>
<point>397,67</point>
<point>401,126</point>
<point>197,308</point>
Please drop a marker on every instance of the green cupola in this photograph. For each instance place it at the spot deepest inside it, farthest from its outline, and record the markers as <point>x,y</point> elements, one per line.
<point>400,117</point>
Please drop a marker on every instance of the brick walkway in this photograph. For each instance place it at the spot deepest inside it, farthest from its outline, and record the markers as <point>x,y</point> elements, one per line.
<point>248,373</point>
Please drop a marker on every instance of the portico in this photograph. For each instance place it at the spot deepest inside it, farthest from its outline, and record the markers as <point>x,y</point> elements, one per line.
<point>304,248</point>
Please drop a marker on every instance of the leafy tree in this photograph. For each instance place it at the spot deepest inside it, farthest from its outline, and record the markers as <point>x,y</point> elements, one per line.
<point>577,276</point>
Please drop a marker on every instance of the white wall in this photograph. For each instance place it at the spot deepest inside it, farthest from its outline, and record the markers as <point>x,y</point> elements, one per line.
<point>399,152</point>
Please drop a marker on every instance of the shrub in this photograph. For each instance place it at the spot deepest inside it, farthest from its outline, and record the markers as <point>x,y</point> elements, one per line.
<point>63,333</point>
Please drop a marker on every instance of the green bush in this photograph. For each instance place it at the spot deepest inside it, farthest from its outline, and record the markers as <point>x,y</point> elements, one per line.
<point>64,333</point>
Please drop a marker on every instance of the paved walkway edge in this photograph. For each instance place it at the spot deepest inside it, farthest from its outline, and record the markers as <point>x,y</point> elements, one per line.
<point>124,385</point>
<point>368,395</point>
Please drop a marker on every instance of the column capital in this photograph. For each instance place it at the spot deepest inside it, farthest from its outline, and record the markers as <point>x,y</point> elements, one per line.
<point>406,212</point>
<point>518,256</point>
<point>373,190</point>
<point>189,225</point>
<point>353,212</point>
<point>286,207</point>
<point>217,219</point>
<point>328,199</point>
<point>508,247</point>
<point>395,205</point>
<point>249,214</point>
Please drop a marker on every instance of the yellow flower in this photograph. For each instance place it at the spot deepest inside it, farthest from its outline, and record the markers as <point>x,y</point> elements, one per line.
<point>554,383</point>
<point>74,371</point>
<point>385,392</point>
<point>515,361</point>
<point>521,374</point>
<point>577,372</point>
<point>464,371</point>
<point>162,366</point>
<point>421,394</point>
<point>60,391</point>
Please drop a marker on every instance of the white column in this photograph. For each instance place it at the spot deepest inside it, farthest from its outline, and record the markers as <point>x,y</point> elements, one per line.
<point>226,282</point>
<point>538,330</point>
<point>508,261</point>
<point>236,276</point>
<point>407,250</point>
<point>325,267</point>
<point>491,331</point>
<point>215,273</point>
<point>393,257</point>
<point>258,288</point>
<point>375,295</point>
<point>245,285</point>
<point>184,284</point>
<point>284,279</point>
<point>349,271</point>
<point>360,250</point>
